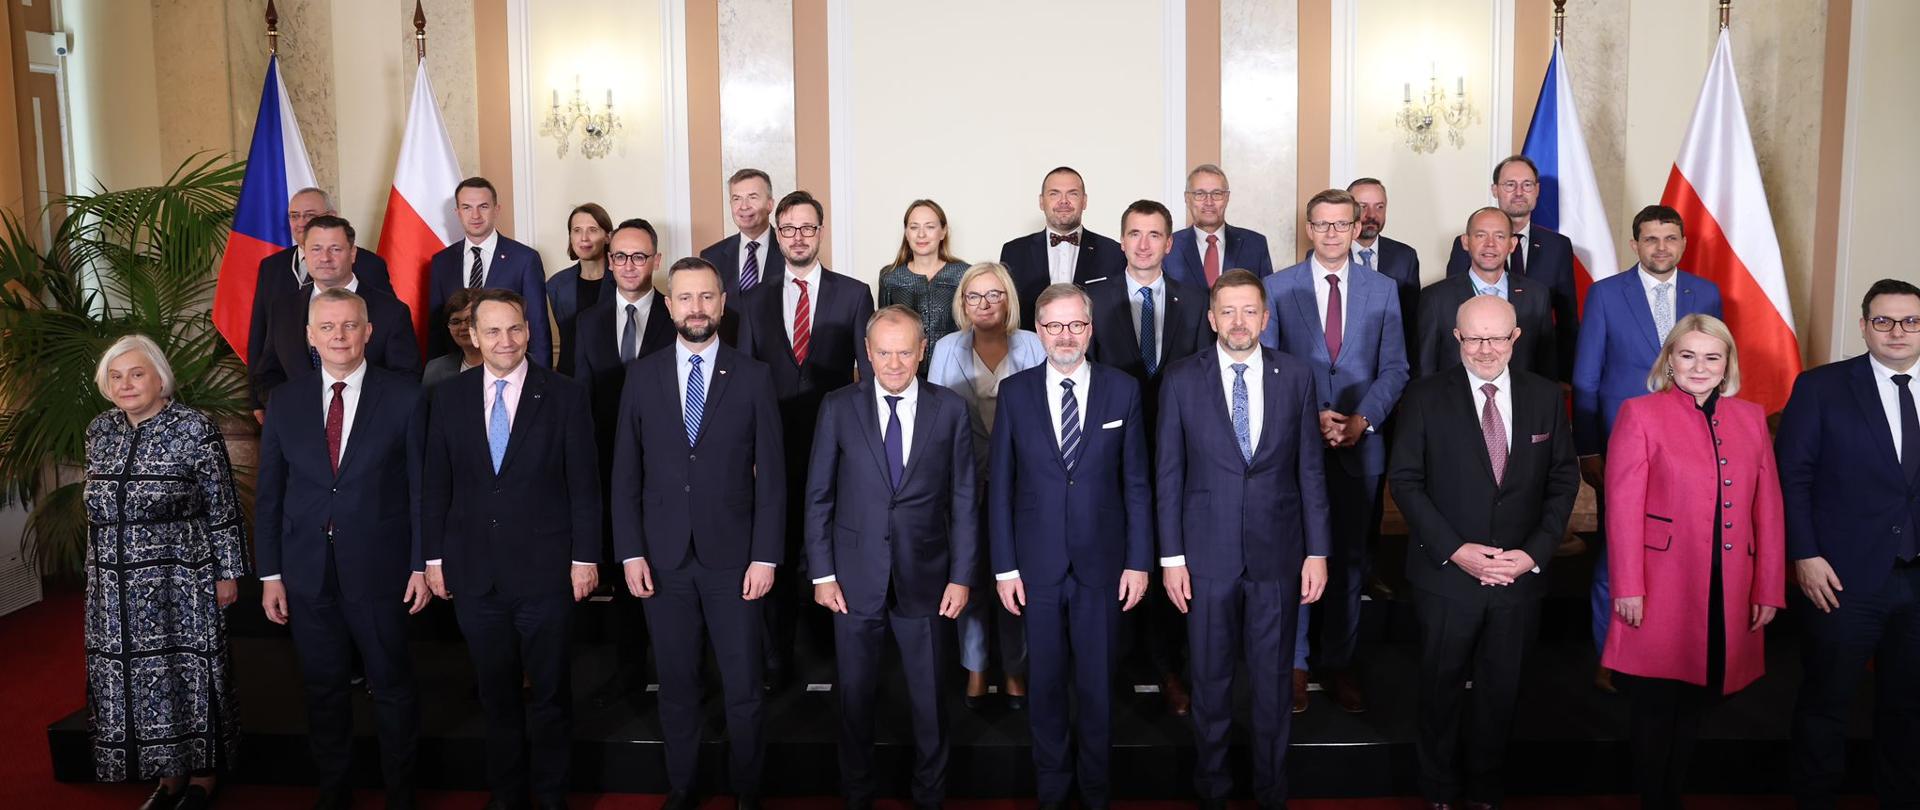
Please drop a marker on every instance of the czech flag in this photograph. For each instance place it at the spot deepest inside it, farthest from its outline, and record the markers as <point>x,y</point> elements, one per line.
<point>1715,185</point>
<point>420,220</point>
<point>1569,197</point>
<point>276,168</point>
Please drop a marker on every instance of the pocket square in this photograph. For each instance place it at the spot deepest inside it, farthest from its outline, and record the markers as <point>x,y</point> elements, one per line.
<point>1113,424</point>
<point>1541,437</point>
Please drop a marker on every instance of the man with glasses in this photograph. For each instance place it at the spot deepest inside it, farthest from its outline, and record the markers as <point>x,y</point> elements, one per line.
<point>810,327</point>
<point>1344,321</point>
<point>1069,506</point>
<point>1539,253</point>
<point>1209,247</point>
<point>1628,316</point>
<point>286,271</point>
<point>1849,456</point>
<point>1488,240</point>
<point>1063,252</point>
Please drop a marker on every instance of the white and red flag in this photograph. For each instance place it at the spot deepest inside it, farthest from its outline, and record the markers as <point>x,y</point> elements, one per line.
<point>420,219</point>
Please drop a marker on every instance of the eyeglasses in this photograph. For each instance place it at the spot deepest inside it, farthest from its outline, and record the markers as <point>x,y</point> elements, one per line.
<point>1882,323</point>
<point>1478,343</point>
<point>1338,226</point>
<point>789,231</point>
<point>456,321</point>
<point>1076,327</point>
<point>1212,195</point>
<point>623,259</point>
<point>1511,186</point>
<point>984,299</point>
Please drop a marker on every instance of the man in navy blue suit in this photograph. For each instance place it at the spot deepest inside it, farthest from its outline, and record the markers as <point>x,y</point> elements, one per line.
<point>699,504</point>
<point>1069,506</point>
<point>1539,253</point>
<point>892,543</point>
<point>1243,528</point>
<point>336,534</point>
<point>1849,455</point>
<point>510,525</point>
<point>1343,321</point>
<point>1489,235</point>
<point>286,271</point>
<point>1391,258</point>
<point>1063,252</point>
<point>1628,316</point>
<point>750,256</point>
<point>486,258</point>
<point>809,326</point>
<point>1209,247</point>
<point>330,258</point>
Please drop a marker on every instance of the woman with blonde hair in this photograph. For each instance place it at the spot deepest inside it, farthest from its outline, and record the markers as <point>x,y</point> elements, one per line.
<point>925,276</point>
<point>1696,548</point>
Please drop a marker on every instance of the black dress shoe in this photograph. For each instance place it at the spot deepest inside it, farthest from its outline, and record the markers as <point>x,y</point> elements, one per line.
<point>1017,702</point>
<point>551,803</point>
<point>194,797</point>
<point>1052,806</point>
<point>976,702</point>
<point>680,800</point>
<point>162,799</point>
<point>499,803</point>
<point>401,799</point>
<point>1213,804</point>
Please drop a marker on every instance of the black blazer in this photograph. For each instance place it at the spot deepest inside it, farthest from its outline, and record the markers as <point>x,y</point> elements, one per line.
<point>372,503</point>
<point>276,279</point>
<point>882,544</point>
<point>515,267</point>
<point>283,352</point>
<point>836,349</point>
<point>1026,261</point>
<point>1550,265</point>
<point>721,501</point>
<point>517,531</point>
<point>1443,481</point>
<point>1116,340</point>
<point>596,360</point>
<point>724,255</point>
<point>1399,261</point>
<point>1437,350</point>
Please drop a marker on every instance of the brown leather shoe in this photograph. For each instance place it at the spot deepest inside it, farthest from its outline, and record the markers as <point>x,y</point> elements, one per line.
<point>1346,692</point>
<point>1603,680</point>
<point>1179,703</point>
<point>1299,691</point>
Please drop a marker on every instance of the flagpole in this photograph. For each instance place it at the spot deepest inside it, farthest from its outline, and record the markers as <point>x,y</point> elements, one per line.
<point>1559,18</point>
<point>273,30</point>
<point>419,31</point>
<point>1726,12</point>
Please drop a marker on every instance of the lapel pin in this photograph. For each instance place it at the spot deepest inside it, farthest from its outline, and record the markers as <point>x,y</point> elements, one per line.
<point>723,372</point>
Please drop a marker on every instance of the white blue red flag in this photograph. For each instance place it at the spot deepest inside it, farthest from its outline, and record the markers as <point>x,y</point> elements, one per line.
<point>1569,198</point>
<point>276,168</point>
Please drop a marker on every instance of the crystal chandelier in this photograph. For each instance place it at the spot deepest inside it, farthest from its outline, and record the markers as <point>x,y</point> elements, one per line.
<point>1422,121</point>
<point>596,131</point>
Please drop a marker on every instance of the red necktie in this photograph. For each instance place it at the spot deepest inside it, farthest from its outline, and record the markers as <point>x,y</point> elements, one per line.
<point>336,425</point>
<point>1333,317</point>
<point>1212,261</point>
<point>802,326</point>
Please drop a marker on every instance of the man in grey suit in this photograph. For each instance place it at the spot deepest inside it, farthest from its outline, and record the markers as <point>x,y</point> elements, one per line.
<point>1344,321</point>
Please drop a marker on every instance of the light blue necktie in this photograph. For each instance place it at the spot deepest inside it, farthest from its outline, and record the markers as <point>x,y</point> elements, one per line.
<point>498,427</point>
<point>1242,419</point>
<point>1149,340</point>
<point>1366,258</point>
<point>696,399</point>
<point>1663,308</point>
<point>1069,425</point>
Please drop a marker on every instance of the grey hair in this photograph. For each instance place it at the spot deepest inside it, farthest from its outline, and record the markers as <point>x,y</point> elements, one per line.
<point>324,196</point>
<point>338,294</point>
<point>143,345</point>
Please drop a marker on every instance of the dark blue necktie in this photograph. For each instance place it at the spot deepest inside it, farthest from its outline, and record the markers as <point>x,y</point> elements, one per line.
<point>896,443</point>
<point>1909,449</point>
<point>1149,339</point>
<point>1069,425</point>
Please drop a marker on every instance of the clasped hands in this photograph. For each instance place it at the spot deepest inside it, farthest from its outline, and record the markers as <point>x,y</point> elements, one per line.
<point>1492,565</point>
<point>1342,430</point>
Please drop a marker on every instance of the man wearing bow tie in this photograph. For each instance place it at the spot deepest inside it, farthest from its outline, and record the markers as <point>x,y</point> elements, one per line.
<point>1062,253</point>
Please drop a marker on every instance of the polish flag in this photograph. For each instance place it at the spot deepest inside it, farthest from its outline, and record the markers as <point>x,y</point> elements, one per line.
<point>1569,197</point>
<point>420,218</point>
<point>277,167</point>
<point>1715,185</point>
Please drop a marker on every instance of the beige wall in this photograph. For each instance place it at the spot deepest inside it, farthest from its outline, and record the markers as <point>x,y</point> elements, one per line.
<point>114,112</point>
<point>1881,165</point>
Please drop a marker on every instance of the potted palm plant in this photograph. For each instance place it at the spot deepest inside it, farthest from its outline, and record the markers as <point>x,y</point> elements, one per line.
<point>117,262</point>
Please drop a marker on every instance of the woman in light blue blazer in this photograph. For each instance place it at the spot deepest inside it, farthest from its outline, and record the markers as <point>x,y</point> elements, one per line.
<point>988,348</point>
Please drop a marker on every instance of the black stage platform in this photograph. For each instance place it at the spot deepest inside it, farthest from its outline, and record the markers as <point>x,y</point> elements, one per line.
<point>1569,738</point>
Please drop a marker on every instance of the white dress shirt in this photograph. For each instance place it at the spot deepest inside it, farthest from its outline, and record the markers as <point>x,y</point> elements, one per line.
<point>1648,283</point>
<point>488,247</point>
<point>1890,395</point>
<point>1322,290</point>
<point>641,309</point>
<point>790,297</point>
<point>352,286</point>
<point>1500,288</point>
<point>1200,247</point>
<point>1159,287</point>
<point>909,403</point>
<point>1062,258</point>
<point>349,405</point>
<point>1080,377</point>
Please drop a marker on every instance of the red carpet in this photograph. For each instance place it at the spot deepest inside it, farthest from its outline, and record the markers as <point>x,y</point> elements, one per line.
<point>43,680</point>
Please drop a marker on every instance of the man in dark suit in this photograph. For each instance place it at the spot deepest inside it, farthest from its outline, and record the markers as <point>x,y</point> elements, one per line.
<point>1243,528</point>
<point>286,271</point>
<point>617,330</point>
<point>1069,505</point>
<point>1064,252</point>
<point>1485,509</point>
<point>1146,320</point>
<point>1539,253</point>
<point>1342,320</point>
<point>330,257</point>
<point>749,256</point>
<point>891,545</point>
<point>1209,247</point>
<point>336,534</point>
<point>1394,259</point>
<point>1488,239</point>
<point>510,524</point>
<point>1849,455</point>
<point>486,258</point>
<point>699,496</point>
<point>809,326</point>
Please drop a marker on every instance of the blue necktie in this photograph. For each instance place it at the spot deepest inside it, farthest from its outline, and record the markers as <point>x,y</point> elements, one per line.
<point>750,271</point>
<point>1242,418</point>
<point>896,443</point>
<point>1069,425</point>
<point>1149,341</point>
<point>696,399</point>
<point>498,427</point>
<point>1366,258</point>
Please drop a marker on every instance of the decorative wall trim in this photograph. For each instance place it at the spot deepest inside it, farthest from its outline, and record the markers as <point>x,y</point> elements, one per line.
<point>840,137</point>
<point>1174,119</point>
<point>519,74</point>
<point>676,171</point>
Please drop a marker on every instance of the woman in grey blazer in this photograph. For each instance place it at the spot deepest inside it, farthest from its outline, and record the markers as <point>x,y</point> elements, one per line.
<point>988,348</point>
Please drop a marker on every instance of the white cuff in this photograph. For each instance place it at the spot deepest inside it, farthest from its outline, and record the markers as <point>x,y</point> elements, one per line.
<point>1014,574</point>
<point>824,580</point>
<point>434,562</point>
<point>1175,561</point>
<point>1316,556</point>
<point>270,578</point>
<point>577,562</point>
<point>767,564</point>
<point>631,559</point>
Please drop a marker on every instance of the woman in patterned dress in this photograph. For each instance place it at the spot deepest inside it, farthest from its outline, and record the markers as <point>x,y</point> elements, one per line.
<point>165,548</point>
<point>924,275</point>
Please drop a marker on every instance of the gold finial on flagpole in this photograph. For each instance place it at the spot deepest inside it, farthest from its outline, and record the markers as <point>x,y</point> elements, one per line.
<point>273,29</point>
<point>419,31</point>
<point>1726,12</point>
<point>1559,18</point>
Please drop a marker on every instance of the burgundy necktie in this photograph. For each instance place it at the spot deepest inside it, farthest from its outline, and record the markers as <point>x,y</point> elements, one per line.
<point>1333,317</point>
<point>1495,433</point>
<point>336,425</point>
<point>1054,239</point>
<point>1211,264</point>
<point>802,326</point>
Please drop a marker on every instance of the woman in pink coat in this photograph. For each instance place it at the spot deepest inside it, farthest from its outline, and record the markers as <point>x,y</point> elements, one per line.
<point>1696,547</point>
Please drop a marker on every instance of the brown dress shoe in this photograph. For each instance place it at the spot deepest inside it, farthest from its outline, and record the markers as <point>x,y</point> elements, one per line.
<point>1299,691</point>
<point>1603,680</point>
<point>1179,703</point>
<point>1347,694</point>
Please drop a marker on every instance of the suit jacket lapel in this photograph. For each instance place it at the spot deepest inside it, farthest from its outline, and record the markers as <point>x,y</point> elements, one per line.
<point>924,411</point>
<point>660,331</point>
<point>1874,415</point>
<point>1305,300</point>
<point>723,362</point>
<point>1468,409</point>
<point>1642,309</point>
<point>871,427</point>
<point>1084,267</point>
<point>1519,437</point>
<point>773,315</point>
<point>526,415</point>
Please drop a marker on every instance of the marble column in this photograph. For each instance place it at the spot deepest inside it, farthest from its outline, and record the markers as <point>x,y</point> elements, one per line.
<point>1259,106</point>
<point>756,93</point>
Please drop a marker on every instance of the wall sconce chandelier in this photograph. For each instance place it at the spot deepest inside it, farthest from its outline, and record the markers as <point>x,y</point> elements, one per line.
<point>1422,121</point>
<point>596,131</point>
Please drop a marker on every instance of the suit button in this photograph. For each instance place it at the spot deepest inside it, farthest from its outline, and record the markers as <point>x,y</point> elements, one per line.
<point>1069,482</point>
<point>337,489</point>
<point>494,522</point>
<point>1727,505</point>
<point>1727,483</point>
<point>691,457</point>
<point>688,488</point>
<point>1896,530</point>
<point>1727,547</point>
<point>1723,462</point>
<point>1716,442</point>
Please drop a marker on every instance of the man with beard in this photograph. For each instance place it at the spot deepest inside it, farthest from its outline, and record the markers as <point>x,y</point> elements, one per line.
<point>1390,258</point>
<point>1062,253</point>
<point>699,500</point>
<point>1210,246</point>
<point>1539,253</point>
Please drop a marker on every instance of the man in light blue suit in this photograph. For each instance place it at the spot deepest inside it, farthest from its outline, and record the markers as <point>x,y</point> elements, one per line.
<point>1210,246</point>
<point>1343,320</point>
<point>1626,319</point>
